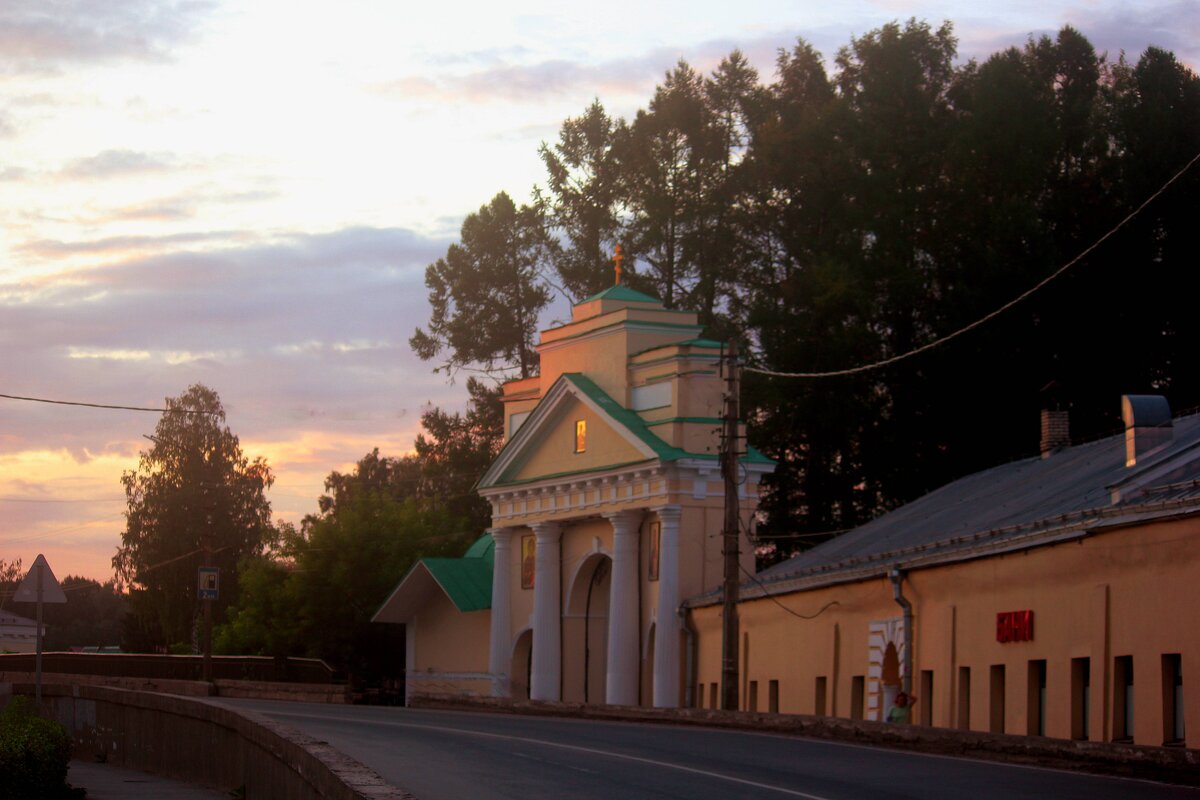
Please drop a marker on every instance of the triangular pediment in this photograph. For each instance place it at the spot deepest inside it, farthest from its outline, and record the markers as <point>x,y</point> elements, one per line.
<point>545,445</point>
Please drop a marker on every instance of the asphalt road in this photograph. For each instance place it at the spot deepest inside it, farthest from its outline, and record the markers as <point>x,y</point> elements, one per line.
<point>448,755</point>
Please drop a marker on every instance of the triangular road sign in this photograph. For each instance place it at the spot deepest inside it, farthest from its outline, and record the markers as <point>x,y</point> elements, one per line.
<point>52,592</point>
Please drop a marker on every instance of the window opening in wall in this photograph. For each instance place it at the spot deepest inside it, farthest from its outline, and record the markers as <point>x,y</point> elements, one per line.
<point>1081,697</point>
<point>926,697</point>
<point>752,700</point>
<point>580,435</point>
<point>964,698</point>
<point>858,695</point>
<point>712,696</point>
<point>1123,699</point>
<point>1172,671</point>
<point>773,697</point>
<point>1035,718</point>
<point>996,706</point>
<point>819,696</point>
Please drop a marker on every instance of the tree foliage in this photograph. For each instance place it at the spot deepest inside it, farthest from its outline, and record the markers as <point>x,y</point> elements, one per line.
<point>93,616</point>
<point>488,281</point>
<point>839,216</point>
<point>315,597</point>
<point>316,593</point>
<point>193,488</point>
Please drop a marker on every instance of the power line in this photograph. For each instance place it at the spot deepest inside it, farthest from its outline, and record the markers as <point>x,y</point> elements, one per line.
<point>61,500</point>
<point>106,406</point>
<point>767,593</point>
<point>987,318</point>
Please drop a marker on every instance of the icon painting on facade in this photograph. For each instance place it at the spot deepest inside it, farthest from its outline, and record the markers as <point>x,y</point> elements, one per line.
<point>528,561</point>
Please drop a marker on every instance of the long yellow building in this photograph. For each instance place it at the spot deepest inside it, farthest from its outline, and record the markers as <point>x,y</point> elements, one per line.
<point>1052,596</point>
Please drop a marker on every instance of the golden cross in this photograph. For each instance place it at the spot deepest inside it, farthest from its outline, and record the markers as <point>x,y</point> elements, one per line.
<point>618,257</point>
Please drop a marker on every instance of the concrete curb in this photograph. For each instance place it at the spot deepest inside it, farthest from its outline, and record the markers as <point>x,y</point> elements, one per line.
<point>222,687</point>
<point>202,742</point>
<point>1167,764</point>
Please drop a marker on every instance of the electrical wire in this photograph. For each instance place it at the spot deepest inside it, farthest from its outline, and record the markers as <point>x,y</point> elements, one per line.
<point>775,600</point>
<point>988,317</point>
<point>106,406</point>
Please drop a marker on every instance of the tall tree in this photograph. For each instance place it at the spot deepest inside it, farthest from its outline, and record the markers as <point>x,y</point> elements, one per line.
<point>485,294</point>
<point>456,449</point>
<point>583,198</point>
<point>194,487</point>
<point>665,163</point>
<point>317,596</point>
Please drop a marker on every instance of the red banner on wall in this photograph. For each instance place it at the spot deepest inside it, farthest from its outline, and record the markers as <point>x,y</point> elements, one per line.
<point>1014,626</point>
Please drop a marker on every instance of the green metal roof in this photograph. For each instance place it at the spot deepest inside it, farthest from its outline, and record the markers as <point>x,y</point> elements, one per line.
<point>632,421</point>
<point>484,547</point>
<point>622,292</point>
<point>467,581</point>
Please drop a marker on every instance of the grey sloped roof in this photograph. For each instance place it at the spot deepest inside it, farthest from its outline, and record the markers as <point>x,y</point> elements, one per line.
<point>1023,504</point>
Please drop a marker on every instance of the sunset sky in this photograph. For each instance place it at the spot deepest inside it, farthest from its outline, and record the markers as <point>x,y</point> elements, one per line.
<point>246,194</point>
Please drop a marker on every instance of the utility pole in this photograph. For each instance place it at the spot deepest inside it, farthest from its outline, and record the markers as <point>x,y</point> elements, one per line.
<point>206,544</point>
<point>730,534</point>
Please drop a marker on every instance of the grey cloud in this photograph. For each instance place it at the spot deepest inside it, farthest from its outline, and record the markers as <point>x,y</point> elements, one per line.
<point>36,35</point>
<point>51,248</point>
<point>117,163</point>
<point>502,80</point>
<point>1172,26</point>
<point>309,332</point>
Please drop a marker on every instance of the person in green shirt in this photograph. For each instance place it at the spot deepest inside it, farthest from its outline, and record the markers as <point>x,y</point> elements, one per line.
<point>901,708</point>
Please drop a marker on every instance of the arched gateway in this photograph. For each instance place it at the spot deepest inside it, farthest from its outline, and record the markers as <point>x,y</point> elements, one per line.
<point>606,504</point>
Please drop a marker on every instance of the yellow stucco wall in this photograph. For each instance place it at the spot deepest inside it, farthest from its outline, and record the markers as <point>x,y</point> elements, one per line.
<point>448,644</point>
<point>1129,592</point>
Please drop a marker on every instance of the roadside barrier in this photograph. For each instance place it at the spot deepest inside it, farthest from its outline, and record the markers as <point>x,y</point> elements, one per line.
<point>198,741</point>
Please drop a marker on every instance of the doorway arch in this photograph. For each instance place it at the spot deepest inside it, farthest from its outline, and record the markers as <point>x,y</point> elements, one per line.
<point>647,682</point>
<point>890,676</point>
<point>585,631</point>
<point>521,665</point>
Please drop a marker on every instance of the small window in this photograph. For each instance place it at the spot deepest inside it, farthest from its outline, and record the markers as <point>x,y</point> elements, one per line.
<point>1035,714</point>
<point>1081,697</point>
<point>996,705</point>
<point>580,435</point>
<point>1123,699</point>
<point>858,693</point>
<point>926,697</point>
<point>1172,669</point>
<point>964,698</point>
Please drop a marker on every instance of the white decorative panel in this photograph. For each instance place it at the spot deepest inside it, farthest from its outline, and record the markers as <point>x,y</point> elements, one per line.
<point>652,395</point>
<point>515,422</point>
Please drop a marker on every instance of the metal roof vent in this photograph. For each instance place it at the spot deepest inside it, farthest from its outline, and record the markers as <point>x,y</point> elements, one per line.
<point>1056,431</point>
<point>1148,425</point>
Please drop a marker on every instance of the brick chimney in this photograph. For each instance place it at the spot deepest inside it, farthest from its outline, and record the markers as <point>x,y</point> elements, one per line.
<point>1148,425</point>
<point>1056,431</point>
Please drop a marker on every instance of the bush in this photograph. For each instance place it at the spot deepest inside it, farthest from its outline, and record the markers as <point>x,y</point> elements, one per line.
<point>34,754</point>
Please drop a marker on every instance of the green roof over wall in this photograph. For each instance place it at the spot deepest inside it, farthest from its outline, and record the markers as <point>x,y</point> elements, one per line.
<point>484,547</point>
<point>622,292</point>
<point>467,581</point>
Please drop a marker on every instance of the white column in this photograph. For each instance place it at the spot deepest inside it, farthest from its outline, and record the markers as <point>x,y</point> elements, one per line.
<point>546,670</point>
<point>499,657</point>
<point>621,687</point>
<point>666,623</point>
